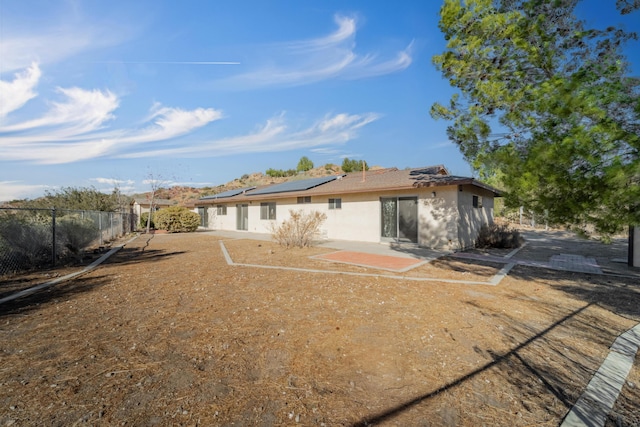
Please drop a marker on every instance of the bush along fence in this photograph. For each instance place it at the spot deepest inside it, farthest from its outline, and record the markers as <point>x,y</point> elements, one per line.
<point>33,238</point>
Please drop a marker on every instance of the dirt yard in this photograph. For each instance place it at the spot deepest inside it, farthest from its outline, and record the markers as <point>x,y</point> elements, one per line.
<point>167,333</point>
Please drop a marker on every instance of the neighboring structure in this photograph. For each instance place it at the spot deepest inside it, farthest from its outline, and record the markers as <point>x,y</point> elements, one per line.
<point>426,206</point>
<point>140,206</point>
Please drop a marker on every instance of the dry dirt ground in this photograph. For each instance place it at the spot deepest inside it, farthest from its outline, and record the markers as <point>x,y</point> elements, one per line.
<point>167,333</point>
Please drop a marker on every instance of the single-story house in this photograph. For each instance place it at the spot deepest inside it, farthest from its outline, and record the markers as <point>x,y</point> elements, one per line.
<point>142,205</point>
<point>426,206</point>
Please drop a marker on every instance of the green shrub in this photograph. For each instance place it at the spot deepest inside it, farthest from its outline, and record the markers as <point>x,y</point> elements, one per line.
<point>143,220</point>
<point>177,219</point>
<point>498,236</point>
<point>299,229</point>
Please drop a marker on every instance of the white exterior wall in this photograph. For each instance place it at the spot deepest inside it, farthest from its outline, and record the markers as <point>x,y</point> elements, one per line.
<point>446,220</point>
<point>357,219</point>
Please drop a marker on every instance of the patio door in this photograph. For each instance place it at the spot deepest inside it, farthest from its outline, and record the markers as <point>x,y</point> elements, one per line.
<point>203,217</point>
<point>242,217</point>
<point>399,219</point>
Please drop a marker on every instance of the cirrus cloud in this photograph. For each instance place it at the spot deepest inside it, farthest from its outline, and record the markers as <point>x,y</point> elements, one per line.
<point>75,128</point>
<point>309,61</point>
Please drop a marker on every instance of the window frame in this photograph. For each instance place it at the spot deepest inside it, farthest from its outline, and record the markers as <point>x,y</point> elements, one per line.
<point>266,211</point>
<point>304,200</point>
<point>221,210</point>
<point>335,203</point>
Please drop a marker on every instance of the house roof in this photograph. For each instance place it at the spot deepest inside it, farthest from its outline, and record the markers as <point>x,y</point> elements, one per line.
<point>157,202</point>
<point>228,193</point>
<point>391,179</point>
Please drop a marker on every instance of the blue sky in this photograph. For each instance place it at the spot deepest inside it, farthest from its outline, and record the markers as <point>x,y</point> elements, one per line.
<point>104,93</point>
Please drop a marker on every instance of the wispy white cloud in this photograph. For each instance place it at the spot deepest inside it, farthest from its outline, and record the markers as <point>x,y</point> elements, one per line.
<point>275,135</point>
<point>113,182</point>
<point>81,111</point>
<point>308,61</point>
<point>77,128</point>
<point>74,129</point>
<point>16,190</point>
<point>325,150</point>
<point>16,93</point>
<point>65,35</point>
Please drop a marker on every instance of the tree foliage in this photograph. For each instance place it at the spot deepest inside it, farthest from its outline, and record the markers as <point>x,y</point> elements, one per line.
<point>548,104</point>
<point>80,198</point>
<point>304,164</point>
<point>278,173</point>
<point>353,165</point>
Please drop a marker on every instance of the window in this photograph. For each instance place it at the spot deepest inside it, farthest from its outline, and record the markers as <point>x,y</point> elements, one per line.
<point>477,201</point>
<point>221,209</point>
<point>268,210</point>
<point>304,199</point>
<point>335,203</point>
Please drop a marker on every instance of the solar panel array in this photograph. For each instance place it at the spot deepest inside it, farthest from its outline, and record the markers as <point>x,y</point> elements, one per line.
<point>228,193</point>
<point>301,185</point>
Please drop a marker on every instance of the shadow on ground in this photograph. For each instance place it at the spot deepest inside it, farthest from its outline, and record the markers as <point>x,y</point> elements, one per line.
<point>618,294</point>
<point>60,291</point>
<point>548,366</point>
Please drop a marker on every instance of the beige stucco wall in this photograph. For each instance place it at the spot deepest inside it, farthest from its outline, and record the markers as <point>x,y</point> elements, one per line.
<point>447,219</point>
<point>472,219</point>
<point>438,218</point>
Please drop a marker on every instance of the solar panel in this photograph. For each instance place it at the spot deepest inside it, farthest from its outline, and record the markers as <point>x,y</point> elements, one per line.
<point>228,193</point>
<point>301,185</point>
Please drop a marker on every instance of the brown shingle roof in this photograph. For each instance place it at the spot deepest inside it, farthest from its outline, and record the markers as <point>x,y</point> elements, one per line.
<point>371,181</point>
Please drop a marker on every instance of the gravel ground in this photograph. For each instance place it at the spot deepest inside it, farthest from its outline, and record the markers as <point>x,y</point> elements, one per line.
<point>166,333</point>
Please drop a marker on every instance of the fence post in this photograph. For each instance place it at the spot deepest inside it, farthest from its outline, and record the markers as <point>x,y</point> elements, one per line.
<point>53,237</point>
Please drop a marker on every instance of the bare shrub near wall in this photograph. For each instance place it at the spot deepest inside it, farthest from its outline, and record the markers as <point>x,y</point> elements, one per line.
<point>298,230</point>
<point>498,236</point>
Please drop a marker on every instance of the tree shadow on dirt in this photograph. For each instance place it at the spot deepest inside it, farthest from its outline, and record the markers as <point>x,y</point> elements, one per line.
<point>549,367</point>
<point>60,291</point>
<point>127,256</point>
<point>504,362</point>
<point>415,251</point>
<point>461,265</point>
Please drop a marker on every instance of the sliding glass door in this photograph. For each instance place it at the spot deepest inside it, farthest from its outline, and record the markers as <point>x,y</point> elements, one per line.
<point>399,219</point>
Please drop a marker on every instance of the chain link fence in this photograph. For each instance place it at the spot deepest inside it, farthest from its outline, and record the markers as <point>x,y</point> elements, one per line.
<point>33,238</point>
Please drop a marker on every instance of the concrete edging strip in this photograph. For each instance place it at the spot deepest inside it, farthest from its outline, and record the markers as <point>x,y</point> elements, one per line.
<point>593,407</point>
<point>493,282</point>
<point>50,283</point>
